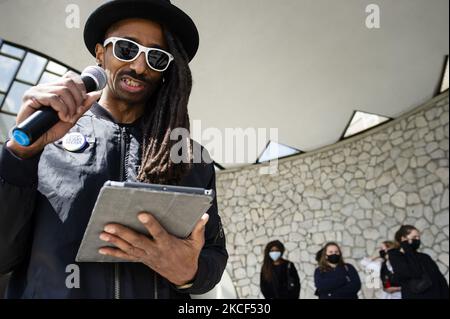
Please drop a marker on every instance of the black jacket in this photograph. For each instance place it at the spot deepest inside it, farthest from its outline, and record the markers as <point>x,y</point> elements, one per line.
<point>410,265</point>
<point>342,282</point>
<point>278,287</point>
<point>45,205</point>
<point>388,278</point>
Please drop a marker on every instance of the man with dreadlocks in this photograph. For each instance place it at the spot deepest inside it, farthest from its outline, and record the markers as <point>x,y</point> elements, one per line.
<point>48,190</point>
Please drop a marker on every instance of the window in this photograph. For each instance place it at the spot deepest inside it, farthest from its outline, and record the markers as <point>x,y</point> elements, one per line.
<point>275,150</point>
<point>20,69</point>
<point>6,123</point>
<point>31,68</point>
<point>218,167</point>
<point>14,97</point>
<point>56,68</point>
<point>444,85</point>
<point>8,69</point>
<point>362,121</point>
<point>48,77</point>
<point>12,51</point>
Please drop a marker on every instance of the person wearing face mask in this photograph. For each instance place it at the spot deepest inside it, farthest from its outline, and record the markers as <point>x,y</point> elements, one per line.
<point>418,275</point>
<point>279,277</point>
<point>381,274</point>
<point>334,278</point>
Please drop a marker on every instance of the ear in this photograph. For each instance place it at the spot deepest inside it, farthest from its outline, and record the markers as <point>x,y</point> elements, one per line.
<point>100,54</point>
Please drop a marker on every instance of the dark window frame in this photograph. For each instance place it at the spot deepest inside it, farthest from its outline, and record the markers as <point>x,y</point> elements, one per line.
<point>220,167</point>
<point>21,60</point>
<point>438,90</point>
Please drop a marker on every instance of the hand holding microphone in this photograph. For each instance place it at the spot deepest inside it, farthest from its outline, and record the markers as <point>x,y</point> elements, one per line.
<point>50,110</point>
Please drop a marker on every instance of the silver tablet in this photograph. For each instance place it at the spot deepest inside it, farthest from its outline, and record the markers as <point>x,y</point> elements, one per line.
<point>177,208</point>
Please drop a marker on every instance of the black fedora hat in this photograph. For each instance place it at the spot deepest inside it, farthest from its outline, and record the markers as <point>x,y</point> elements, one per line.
<point>161,11</point>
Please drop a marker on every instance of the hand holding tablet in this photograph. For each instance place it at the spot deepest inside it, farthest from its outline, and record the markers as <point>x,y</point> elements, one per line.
<point>177,210</point>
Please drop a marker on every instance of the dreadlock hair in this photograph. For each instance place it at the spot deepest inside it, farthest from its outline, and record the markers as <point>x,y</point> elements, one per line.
<point>166,112</point>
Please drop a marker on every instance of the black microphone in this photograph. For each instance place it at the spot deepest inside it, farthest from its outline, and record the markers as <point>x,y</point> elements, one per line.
<point>27,132</point>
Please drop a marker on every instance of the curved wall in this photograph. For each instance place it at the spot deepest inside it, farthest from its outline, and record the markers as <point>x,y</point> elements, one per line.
<point>356,192</point>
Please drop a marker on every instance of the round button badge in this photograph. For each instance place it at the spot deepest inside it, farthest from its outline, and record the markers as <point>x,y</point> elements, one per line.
<point>74,142</point>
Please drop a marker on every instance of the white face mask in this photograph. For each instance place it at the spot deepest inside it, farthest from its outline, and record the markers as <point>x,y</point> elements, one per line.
<point>275,255</point>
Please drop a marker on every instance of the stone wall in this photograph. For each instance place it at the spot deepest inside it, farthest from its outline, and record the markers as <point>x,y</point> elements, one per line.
<point>356,192</point>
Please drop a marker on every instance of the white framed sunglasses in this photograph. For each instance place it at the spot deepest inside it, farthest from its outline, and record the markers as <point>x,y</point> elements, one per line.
<point>127,51</point>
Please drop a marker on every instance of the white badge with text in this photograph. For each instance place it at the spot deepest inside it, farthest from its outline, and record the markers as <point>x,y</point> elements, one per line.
<point>74,142</point>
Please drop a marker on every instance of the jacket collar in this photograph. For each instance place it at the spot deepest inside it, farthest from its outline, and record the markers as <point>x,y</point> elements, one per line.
<point>100,112</point>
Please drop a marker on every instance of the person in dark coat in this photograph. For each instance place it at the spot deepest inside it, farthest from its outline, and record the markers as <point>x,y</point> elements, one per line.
<point>123,134</point>
<point>391,286</point>
<point>416,272</point>
<point>279,277</point>
<point>334,278</point>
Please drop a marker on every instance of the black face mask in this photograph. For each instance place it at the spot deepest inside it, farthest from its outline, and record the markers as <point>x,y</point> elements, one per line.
<point>334,259</point>
<point>415,244</point>
<point>383,254</point>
